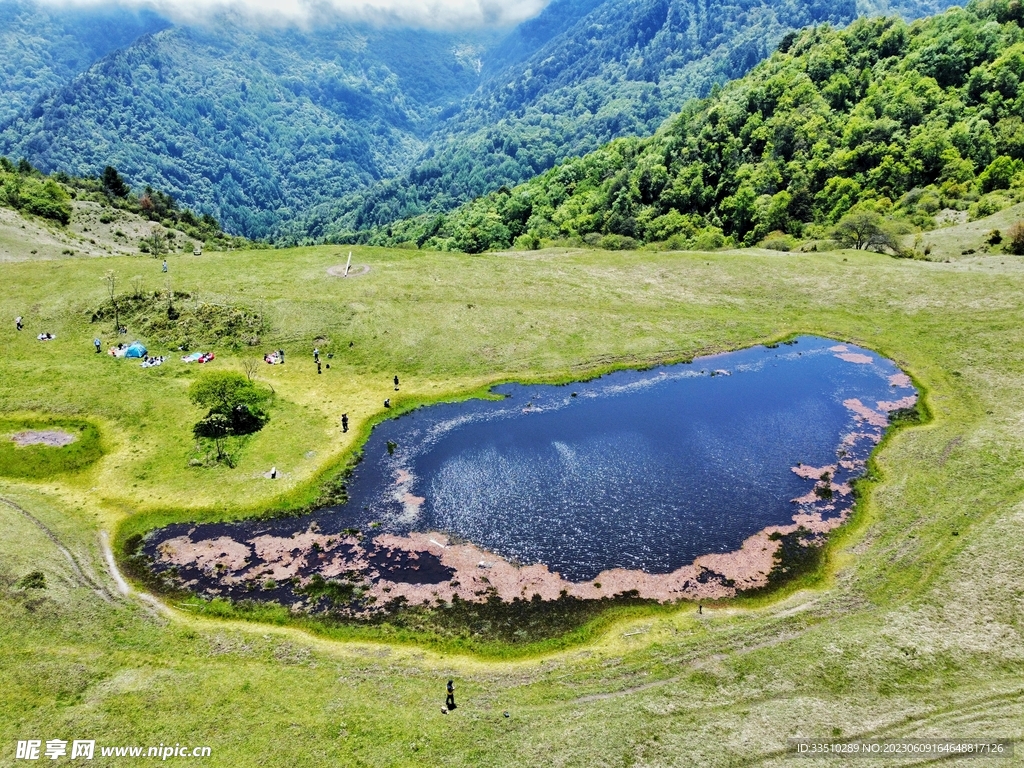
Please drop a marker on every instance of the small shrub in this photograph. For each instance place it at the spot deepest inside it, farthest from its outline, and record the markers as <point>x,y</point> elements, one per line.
<point>34,580</point>
<point>779,241</point>
<point>529,242</point>
<point>710,239</point>
<point>1016,244</point>
<point>617,243</point>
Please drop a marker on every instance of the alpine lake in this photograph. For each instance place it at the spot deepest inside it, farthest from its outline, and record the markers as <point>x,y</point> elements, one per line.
<point>695,481</point>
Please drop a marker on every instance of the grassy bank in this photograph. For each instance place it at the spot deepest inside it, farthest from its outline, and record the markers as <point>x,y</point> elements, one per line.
<point>915,629</point>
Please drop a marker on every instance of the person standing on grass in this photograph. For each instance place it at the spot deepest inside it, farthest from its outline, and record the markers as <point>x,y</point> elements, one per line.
<point>450,701</point>
<point>396,383</point>
<point>165,265</point>
<point>316,355</point>
<point>344,422</point>
<point>97,343</point>
<point>18,322</point>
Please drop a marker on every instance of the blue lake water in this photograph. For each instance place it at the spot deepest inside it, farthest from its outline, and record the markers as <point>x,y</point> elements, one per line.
<point>642,470</point>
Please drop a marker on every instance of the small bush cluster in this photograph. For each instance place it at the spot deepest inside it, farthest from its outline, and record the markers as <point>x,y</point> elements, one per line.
<point>181,321</point>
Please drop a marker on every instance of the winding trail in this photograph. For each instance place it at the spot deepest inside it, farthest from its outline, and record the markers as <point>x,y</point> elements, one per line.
<point>151,604</point>
<point>79,573</point>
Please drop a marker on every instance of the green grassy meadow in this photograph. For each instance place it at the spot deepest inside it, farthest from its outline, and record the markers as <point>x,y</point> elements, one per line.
<point>914,629</point>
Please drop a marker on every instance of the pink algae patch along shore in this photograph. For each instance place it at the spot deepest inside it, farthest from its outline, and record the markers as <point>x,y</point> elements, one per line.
<point>472,573</point>
<point>864,413</point>
<point>808,472</point>
<point>855,357</point>
<point>900,380</point>
<point>894,405</point>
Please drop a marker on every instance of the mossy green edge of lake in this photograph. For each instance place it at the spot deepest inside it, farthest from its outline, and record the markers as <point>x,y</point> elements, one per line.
<point>586,619</point>
<point>39,462</point>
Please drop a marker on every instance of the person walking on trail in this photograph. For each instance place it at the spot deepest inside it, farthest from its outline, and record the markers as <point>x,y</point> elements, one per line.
<point>450,701</point>
<point>18,322</point>
<point>97,343</point>
<point>316,355</point>
<point>396,383</point>
<point>165,265</point>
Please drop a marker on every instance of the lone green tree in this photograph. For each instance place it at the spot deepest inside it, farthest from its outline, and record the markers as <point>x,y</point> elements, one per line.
<point>866,229</point>
<point>155,244</point>
<point>235,407</point>
<point>113,184</point>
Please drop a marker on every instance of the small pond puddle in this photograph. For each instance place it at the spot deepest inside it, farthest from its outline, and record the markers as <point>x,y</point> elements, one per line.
<point>678,482</point>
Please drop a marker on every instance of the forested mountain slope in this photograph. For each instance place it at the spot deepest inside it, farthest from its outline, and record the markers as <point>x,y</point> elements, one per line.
<point>43,215</point>
<point>620,71</point>
<point>896,119</point>
<point>43,47</point>
<point>252,125</point>
<point>300,135</point>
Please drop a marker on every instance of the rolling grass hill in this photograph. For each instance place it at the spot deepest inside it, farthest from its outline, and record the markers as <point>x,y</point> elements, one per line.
<point>912,630</point>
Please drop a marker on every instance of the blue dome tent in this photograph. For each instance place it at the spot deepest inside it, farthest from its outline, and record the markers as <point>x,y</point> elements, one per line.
<point>135,350</point>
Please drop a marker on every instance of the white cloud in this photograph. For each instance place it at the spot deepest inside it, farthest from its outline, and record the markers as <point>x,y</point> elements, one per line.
<point>439,14</point>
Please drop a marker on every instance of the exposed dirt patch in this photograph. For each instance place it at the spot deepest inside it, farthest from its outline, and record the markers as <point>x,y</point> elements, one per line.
<point>54,438</point>
<point>354,271</point>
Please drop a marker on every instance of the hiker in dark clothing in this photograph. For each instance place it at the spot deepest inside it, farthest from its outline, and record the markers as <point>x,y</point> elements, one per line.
<point>318,367</point>
<point>396,383</point>
<point>387,403</point>
<point>344,422</point>
<point>450,701</point>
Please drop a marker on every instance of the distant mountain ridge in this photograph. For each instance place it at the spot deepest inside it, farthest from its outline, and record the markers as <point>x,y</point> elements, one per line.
<point>304,136</point>
<point>252,126</point>
<point>619,71</point>
<point>877,129</point>
<point>44,47</point>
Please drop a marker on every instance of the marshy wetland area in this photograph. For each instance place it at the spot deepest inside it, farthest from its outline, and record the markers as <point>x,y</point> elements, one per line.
<point>680,507</point>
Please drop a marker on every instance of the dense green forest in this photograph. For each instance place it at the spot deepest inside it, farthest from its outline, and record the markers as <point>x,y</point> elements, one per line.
<point>620,71</point>
<point>43,47</point>
<point>253,126</point>
<point>299,135</point>
<point>892,121</point>
<point>29,191</point>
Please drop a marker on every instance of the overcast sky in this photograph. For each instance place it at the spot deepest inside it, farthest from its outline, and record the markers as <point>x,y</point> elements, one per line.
<point>424,13</point>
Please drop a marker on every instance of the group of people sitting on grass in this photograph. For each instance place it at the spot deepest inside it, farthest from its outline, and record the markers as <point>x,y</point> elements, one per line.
<point>198,357</point>
<point>150,362</point>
